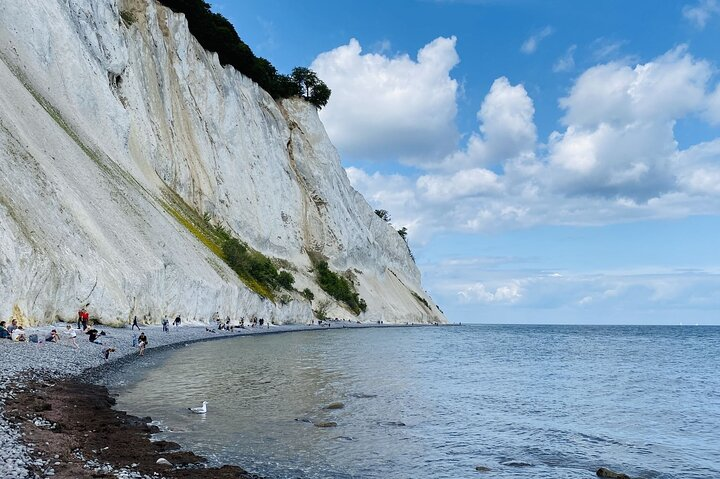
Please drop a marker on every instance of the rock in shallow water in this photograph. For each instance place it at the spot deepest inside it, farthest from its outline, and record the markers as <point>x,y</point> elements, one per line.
<point>602,472</point>
<point>326,424</point>
<point>335,405</point>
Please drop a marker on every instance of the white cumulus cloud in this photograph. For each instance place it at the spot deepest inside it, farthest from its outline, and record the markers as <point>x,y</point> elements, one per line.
<point>475,181</point>
<point>666,88</point>
<point>479,293</point>
<point>391,107</point>
<point>507,129</point>
<point>619,139</point>
<point>615,159</point>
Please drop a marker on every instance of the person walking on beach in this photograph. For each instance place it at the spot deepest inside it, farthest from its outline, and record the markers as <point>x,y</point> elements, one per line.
<point>166,324</point>
<point>177,321</point>
<point>72,335</point>
<point>135,324</point>
<point>142,342</point>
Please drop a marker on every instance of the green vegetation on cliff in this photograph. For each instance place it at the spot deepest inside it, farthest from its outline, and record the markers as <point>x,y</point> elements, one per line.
<point>216,34</point>
<point>337,286</point>
<point>256,270</point>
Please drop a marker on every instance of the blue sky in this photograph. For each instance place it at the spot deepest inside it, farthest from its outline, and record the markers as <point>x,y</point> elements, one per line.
<point>553,161</point>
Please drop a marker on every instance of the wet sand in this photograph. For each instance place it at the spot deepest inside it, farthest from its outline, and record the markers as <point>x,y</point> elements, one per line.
<point>75,433</point>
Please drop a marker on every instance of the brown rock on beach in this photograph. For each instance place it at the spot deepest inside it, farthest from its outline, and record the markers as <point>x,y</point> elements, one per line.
<point>74,424</point>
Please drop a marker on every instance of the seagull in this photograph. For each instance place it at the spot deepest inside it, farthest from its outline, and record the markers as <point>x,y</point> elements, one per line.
<point>199,410</point>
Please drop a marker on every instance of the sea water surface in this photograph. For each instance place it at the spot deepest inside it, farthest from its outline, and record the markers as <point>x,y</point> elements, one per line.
<point>435,402</point>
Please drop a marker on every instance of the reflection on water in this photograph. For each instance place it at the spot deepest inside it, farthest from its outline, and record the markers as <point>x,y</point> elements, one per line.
<point>436,402</point>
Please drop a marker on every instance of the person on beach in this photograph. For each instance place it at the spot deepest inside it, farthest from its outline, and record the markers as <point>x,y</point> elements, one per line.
<point>18,334</point>
<point>79,319</point>
<point>135,324</point>
<point>71,335</point>
<point>13,326</point>
<point>142,342</point>
<point>4,333</point>
<point>106,353</point>
<point>177,320</point>
<point>166,324</point>
<point>94,334</point>
<point>52,337</point>
<point>84,318</point>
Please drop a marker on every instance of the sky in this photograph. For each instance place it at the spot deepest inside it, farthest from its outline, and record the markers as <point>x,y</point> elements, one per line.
<point>554,161</point>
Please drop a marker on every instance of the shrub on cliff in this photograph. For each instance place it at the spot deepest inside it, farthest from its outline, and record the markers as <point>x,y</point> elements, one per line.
<point>403,232</point>
<point>252,264</point>
<point>285,279</point>
<point>216,34</point>
<point>338,287</point>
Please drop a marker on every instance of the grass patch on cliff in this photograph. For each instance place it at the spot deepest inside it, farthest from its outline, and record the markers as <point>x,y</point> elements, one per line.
<point>256,270</point>
<point>421,299</point>
<point>336,285</point>
<point>128,17</point>
<point>193,222</point>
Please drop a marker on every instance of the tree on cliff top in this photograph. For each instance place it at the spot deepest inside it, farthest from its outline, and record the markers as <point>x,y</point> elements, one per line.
<point>310,86</point>
<point>216,34</point>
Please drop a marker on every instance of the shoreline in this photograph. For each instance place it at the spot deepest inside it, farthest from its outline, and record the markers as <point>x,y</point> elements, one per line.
<point>35,375</point>
<point>75,433</point>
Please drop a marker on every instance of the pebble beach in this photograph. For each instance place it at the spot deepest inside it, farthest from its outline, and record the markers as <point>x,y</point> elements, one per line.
<point>26,363</point>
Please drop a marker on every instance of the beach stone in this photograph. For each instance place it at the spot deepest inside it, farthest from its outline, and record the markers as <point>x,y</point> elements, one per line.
<point>603,472</point>
<point>517,464</point>
<point>326,424</point>
<point>163,461</point>
<point>482,469</point>
<point>335,405</point>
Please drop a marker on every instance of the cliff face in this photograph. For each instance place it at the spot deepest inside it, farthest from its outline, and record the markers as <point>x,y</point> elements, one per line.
<point>110,130</point>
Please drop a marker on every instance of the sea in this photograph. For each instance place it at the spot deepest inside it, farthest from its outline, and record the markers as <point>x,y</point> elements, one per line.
<point>516,401</point>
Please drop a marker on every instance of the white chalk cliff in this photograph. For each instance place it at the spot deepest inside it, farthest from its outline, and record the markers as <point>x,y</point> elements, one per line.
<point>108,129</point>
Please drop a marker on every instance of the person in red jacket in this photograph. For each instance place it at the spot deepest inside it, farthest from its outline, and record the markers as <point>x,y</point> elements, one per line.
<point>84,318</point>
